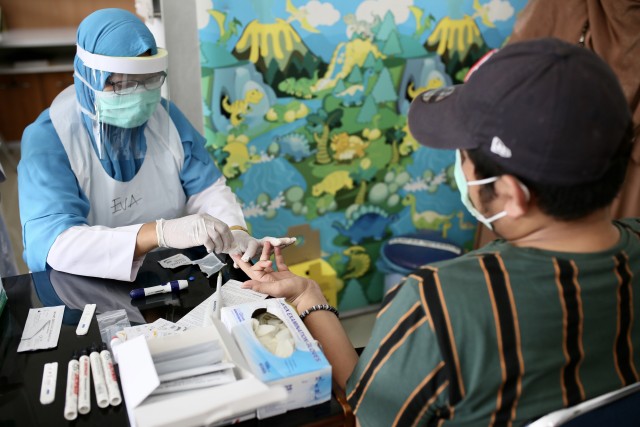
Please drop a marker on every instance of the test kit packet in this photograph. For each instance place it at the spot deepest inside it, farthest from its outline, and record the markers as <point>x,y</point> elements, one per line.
<point>306,373</point>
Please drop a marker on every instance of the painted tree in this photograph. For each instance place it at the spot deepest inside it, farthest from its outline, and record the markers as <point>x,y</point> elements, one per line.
<point>355,76</point>
<point>339,87</point>
<point>367,111</point>
<point>370,61</point>
<point>384,90</point>
<point>392,46</point>
<point>319,125</point>
<point>394,136</point>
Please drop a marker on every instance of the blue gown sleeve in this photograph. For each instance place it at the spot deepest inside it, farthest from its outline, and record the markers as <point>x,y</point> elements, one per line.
<point>199,171</point>
<point>49,196</point>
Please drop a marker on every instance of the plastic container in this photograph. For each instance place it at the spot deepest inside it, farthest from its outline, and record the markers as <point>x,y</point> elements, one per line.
<point>402,255</point>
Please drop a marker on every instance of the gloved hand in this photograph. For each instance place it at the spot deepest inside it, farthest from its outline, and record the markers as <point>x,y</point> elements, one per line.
<point>195,230</point>
<point>249,246</point>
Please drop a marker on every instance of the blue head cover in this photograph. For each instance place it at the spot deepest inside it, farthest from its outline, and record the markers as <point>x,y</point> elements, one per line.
<point>112,32</point>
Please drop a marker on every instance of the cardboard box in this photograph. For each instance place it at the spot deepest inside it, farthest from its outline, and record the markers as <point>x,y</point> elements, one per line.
<point>306,261</point>
<point>306,374</point>
<point>212,406</point>
<point>323,274</point>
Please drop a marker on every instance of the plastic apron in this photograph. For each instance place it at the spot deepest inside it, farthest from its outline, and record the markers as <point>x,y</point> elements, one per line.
<point>154,192</point>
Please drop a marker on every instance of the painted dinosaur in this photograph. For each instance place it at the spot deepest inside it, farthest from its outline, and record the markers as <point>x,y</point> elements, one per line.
<point>348,147</point>
<point>358,264</point>
<point>333,183</point>
<point>240,158</point>
<point>238,108</point>
<point>427,220</point>
<point>227,29</point>
<point>365,222</point>
<point>294,145</point>
<point>434,82</point>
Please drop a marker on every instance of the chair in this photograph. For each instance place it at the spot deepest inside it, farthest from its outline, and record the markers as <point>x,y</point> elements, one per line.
<point>620,408</point>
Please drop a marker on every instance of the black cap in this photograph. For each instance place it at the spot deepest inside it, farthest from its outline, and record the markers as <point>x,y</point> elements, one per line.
<point>545,110</point>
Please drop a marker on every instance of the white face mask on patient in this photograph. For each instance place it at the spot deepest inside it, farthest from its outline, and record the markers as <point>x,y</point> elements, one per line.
<point>463,185</point>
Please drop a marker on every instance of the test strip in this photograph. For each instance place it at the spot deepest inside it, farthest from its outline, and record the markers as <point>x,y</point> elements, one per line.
<point>48,388</point>
<point>85,319</point>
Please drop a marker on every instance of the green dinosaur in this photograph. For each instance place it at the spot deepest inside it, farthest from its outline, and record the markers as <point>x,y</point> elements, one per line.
<point>427,220</point>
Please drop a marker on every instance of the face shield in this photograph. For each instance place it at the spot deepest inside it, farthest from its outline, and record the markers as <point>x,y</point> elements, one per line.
<point>128,112</point>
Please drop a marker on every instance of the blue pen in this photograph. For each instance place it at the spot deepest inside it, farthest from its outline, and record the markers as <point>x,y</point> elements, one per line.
<point>172,286</point>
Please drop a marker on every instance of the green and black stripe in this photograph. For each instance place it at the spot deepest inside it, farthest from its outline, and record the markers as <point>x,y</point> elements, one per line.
<point>401,331</point>
<point>437,311</point>
<point>508,336</point>
<point>569,290</point>
<point>623,348</point>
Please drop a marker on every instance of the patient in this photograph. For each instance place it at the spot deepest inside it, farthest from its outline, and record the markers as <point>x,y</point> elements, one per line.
<point>538,320</point>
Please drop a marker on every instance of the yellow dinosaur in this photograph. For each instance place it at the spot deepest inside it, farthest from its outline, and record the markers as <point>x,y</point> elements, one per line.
<point>348,147</point>
<point>359,262</point>
<point>239,107</point>
<point>433,83</point>
<point>333,183</point>
<point>239,156</point>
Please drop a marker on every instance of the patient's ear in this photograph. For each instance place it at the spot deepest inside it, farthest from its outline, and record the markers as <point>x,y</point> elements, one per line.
<point>516,194</point>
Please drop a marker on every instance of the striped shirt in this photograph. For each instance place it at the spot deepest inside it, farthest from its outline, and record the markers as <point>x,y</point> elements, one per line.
<point>501,336</point>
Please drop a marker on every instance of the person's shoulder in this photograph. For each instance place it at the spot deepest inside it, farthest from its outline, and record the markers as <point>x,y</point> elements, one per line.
<point>39,135</point>
<point>632,223</point>
<point>469,258</point>
<point>174,111</point>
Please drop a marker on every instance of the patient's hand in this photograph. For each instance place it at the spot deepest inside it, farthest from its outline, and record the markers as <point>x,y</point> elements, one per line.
<point>263,270</point>
<point>301,292</point>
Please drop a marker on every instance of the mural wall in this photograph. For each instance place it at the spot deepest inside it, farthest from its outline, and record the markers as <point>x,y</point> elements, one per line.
<point>305,108</point>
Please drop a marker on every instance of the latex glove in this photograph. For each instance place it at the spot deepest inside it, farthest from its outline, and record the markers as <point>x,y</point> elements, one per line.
<point>195,230</point>
<point>249,246</point>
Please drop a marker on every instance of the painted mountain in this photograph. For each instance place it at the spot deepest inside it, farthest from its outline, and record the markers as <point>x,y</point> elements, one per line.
<point>278,52</point>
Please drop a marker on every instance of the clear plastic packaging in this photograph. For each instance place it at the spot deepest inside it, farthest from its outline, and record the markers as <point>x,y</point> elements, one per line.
<point>110,322</point>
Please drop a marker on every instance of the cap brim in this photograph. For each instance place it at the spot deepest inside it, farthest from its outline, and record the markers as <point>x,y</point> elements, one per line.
<point>436,119</point>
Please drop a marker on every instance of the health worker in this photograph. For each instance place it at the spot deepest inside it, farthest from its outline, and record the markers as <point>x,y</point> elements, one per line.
<point>112,170</point>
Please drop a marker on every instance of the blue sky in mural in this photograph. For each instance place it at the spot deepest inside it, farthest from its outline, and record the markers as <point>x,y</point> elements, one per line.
<point>334,28</point>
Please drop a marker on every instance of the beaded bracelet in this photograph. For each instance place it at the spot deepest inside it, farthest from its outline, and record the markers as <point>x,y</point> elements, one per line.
<point>319,307</point>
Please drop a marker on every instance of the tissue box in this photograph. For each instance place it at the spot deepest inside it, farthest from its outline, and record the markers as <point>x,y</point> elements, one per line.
<point>306,374</point>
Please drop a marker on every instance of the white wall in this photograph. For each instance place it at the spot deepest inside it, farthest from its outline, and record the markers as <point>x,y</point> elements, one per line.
<point>177,31</point>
